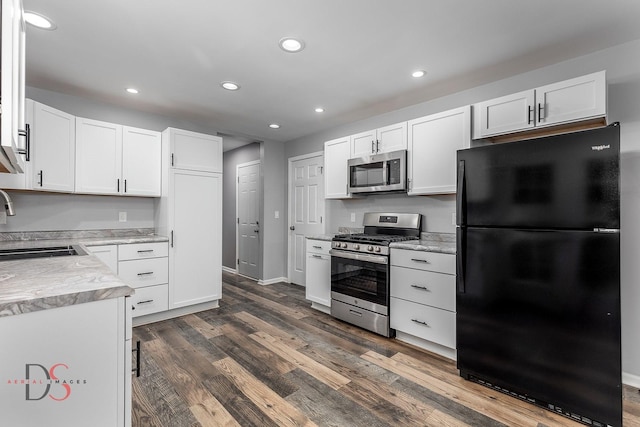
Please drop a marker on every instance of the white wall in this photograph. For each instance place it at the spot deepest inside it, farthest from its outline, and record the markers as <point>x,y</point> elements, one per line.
<point>623,75</point>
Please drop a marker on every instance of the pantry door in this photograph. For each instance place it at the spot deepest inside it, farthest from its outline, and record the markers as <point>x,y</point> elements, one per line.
<point>306,209</point>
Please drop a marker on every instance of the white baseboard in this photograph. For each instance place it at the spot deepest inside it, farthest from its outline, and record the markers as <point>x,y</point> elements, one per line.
<point>447,352</point>
<point>630,379</point>
<point>176,312</point>
<point>229,270</point>
<point>272,281</point>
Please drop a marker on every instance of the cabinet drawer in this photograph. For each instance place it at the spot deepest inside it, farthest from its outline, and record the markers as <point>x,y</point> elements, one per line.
<point>428,261</point>
<point>318,246</point>
<point>143,250</point>
<point>144,272</point>
<point>424,287</point>
<point>151,299</point>
<point>428,323</point>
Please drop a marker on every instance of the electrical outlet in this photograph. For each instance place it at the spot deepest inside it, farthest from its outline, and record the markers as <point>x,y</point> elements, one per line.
<point>453,218</point>
<point>277,214</point>
<point>353,217</point>
<point>122,217</point>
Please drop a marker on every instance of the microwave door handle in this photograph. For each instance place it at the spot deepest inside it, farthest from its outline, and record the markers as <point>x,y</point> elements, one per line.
<point>385,172</point>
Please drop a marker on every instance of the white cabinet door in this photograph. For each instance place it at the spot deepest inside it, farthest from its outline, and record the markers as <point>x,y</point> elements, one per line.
<point>83,344</point>
<point>141,162</point>
<point>98,157</point>
<point>318,274</point>
<point>433,142</point>
<point>195,258</point>
<point>336,174</point>
<point>506,114</point>
<point>194,151</point>
<point>53,149</point>
<point>12,79</point>
<point>363,144</point>
<point>391,138</point>
<point>576,99</point>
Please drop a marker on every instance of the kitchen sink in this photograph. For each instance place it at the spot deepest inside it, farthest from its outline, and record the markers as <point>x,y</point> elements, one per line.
<point>46,252</point>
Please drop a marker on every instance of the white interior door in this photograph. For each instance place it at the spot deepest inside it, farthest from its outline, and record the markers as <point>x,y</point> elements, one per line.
<point>306,209</point>
<point>248,211</point>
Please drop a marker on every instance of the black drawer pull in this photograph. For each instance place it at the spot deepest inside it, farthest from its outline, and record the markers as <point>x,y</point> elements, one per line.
<point>420,260</point>
<point>137,351</point>
<point>145,301</point>
<point>422,288</point>
<point>145,251</point>
<point>145,273</point>
<point>420,322</point>
<point>316,256</point>
<point>317,247</point>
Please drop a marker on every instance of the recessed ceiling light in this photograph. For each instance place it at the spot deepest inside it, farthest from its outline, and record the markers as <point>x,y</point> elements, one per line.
<point>289,44</point>
<point>39,21</point>
<point>418,73</point>
<point>274,126</point>
<point>230,85</point>
<point>132,90</point>
<point>319,110</point>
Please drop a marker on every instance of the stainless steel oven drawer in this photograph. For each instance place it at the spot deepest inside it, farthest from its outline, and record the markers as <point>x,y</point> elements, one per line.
<point>366,319</point>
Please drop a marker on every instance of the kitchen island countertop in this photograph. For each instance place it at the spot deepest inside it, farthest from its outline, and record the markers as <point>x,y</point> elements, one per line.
<point>43,283</point>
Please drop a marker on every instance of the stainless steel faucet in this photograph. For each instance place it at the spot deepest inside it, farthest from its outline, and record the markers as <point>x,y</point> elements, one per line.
<point>8,204</point>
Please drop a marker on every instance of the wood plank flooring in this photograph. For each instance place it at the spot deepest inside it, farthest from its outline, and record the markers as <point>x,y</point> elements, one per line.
<point>265,358</point>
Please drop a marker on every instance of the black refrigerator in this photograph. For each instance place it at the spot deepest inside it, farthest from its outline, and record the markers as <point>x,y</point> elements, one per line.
<point>538,272</point>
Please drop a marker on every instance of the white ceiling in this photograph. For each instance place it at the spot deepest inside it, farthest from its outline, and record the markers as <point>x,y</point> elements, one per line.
<point>357,62</point>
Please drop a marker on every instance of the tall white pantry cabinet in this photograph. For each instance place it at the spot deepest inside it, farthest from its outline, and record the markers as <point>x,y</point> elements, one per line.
<point>190,213</point>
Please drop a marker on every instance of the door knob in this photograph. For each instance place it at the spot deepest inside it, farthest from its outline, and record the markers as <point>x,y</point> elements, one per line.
<point>293,227</point>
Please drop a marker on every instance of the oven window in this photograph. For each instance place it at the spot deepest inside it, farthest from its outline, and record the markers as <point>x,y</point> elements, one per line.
<point>360,279</point>
<point>368,175</point>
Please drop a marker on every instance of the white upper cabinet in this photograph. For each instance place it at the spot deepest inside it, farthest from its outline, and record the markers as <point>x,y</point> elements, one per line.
<point>53,148</point>
<point>194,151</point>
<point>118,160</point>
<point>433,142</point>
<point>579,99</point>
<point>382,140</point>
<point>12,87</point>
<point>336,155</point>
<point>141,162</point>
<point>98,157</point>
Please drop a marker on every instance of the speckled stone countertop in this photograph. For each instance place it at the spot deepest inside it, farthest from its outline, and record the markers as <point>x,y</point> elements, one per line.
<point>325,237</point>
<point>430,242</point>
<point>44,283</point>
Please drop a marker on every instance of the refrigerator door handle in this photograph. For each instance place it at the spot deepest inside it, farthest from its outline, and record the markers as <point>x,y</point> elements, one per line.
<point>460,194</point>
<point>460,259</point>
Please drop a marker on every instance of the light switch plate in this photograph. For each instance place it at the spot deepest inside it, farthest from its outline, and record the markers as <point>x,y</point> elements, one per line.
<point>122,217</point>
<point>353,217</point>
<point>277,214</point>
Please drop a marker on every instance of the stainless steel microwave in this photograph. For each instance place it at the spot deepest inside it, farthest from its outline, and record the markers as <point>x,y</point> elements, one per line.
<point>378,172</point>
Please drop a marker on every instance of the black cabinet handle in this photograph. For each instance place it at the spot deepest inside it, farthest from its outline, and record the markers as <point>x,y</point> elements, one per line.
<point>540,111</point>
<point>41,174</point>
<point>26,132</point>
<point>530,119</point>
<point>125,185</point>
<point>420,322</point>
<point>118,184</point>
<point>145,302</point>
<point>422,288</point>
<point>137,351</point>
<point>146,273</point>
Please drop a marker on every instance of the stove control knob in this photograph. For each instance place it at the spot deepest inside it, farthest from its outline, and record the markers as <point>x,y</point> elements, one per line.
<point>344,245</point>
<point>370,248</point>
<point>378,249</point>
<point>356,247</point>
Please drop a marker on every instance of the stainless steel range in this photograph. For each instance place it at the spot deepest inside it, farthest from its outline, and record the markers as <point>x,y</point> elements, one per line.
<point>360,269</point>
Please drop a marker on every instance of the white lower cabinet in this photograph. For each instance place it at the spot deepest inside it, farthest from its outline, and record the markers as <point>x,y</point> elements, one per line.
<point>74,368</point>
<point>423,297</point>
<point>144,267</point>
<point>318,274</point>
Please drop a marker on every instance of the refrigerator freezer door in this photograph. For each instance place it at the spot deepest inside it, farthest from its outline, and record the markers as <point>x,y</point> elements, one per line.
<point>539,314</point>
<point>559,182</point>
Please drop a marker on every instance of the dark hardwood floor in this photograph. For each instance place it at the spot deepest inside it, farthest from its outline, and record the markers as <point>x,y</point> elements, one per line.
<point>265,358</point>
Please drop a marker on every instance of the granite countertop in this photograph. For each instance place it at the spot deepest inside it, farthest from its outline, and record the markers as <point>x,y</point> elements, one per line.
<point>43,283</point>
<point>444,243</point>
<point>325,237</point>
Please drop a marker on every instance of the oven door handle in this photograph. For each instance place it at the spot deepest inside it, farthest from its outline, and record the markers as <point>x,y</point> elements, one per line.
<point>376,259</point>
